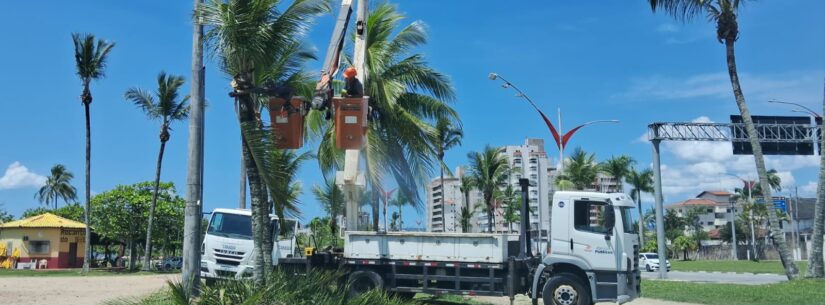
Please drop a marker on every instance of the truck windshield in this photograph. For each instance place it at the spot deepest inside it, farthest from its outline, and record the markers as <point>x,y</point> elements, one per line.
<point>230,225</point>
<point>627,219</point>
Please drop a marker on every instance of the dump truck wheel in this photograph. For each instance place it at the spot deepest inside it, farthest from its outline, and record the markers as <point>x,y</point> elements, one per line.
<point>565,289</point>
<point>362,281</point>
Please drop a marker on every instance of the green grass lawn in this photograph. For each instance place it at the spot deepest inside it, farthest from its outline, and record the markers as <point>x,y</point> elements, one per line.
<point>801,292</point>
<point>735,266</point>
<point>65,272</point>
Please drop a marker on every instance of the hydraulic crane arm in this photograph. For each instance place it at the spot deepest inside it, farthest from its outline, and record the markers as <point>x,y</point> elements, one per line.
<point>323,90</point>
<point>350,180</point>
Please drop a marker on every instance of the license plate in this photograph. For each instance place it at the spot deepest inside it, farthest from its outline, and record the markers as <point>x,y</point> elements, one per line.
<point>225,267</point>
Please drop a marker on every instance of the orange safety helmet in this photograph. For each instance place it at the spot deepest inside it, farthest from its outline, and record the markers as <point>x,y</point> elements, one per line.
<point>350,72</point>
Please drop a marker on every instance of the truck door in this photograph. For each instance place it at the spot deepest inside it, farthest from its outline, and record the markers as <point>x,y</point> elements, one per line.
<point>588,234</point>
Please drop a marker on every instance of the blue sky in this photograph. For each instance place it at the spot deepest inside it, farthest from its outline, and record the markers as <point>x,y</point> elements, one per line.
<point>604,60</point>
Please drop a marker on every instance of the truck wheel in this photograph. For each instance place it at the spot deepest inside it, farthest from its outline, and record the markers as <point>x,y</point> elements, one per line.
<point>565,289</point>
<point>363,281</point>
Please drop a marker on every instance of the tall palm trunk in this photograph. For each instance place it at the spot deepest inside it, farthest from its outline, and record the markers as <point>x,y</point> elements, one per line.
<point>641,218</point>
<point>257,191</point>
<point>464,225</point>
<point>267,231</point>
<point>164,136</point>
<point>87,247</point>
<point>815,264</point>
<point>242,193</point>
<point>488,198</point>
<point>376,201</point>
<point>778,236</point>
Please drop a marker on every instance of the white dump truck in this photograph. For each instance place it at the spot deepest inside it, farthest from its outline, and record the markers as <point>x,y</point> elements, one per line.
<point>226,251</point>
<point>592,257</point>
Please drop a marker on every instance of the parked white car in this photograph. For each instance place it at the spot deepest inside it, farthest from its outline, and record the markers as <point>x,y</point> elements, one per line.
<point>650,261</point>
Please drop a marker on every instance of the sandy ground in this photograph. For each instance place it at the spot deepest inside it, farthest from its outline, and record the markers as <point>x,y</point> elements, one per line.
<point>78,290</point>
<point>97,289</point>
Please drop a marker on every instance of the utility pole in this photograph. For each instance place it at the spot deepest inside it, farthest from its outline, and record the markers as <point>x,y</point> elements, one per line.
<point>194,178</point>
<point>660,217</point>
<point>735,247</point>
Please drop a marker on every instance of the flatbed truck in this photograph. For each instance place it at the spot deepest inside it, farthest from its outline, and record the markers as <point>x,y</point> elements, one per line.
<point>592,257</point>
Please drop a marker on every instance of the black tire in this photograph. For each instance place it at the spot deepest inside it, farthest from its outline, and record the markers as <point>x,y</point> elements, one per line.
<point>647,267</point>
<point>565,289</point>
<point>363,281</point>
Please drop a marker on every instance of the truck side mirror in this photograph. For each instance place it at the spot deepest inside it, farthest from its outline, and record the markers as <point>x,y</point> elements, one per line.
<point>609,218</point>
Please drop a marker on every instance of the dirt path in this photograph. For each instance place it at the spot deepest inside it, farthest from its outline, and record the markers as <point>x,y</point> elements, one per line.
<point>78,290</point>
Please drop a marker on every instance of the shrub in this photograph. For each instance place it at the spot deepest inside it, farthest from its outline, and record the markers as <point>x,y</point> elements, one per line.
<point>316,288</point>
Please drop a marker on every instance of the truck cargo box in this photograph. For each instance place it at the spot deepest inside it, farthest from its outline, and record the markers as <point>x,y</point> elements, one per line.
<point>428,246</point>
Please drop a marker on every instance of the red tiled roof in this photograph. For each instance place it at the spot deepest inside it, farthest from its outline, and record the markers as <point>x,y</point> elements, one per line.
<point>714,234</point>
<point>693,202</point>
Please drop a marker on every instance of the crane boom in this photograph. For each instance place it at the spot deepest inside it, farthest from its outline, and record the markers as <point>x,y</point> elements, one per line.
<point>323,90</point>
<point>349,180</point>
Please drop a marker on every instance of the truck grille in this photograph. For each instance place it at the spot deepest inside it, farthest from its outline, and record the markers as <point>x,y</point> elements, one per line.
<point>229,254</point>
<point>222,273</point>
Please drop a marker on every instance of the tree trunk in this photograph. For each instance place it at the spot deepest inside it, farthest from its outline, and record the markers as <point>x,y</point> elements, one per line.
<point>257,191</point>
<point>147,260</point>
<point>641,219</point>
<point>268,239</point>
<point>490,222</point>
<point>132,254</point>
<point>242,193</point>
<point>815,264</point>
<point>193,210</point>
<point>375,202</point>
<point>791,270</point>
<point>87,244</point>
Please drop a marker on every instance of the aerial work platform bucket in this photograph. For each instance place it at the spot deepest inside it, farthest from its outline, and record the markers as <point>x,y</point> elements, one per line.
<point>287,122</point>
<point>350,122</point>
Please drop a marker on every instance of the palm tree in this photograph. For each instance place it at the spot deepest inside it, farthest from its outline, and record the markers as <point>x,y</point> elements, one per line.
<point>90,59</point>
<point>400,201</point>
<point>816,268</point>
<point>642,182</point>
<point>488,169</point>
<point>581,169</point>
<point>724,14</point>
<point>406,97</point>
<point>618,167</point>
<point>259,42</point>
<point>446,136</point>
<point>466,208</point>
<point>332,201</point>
<point>58,185</point>
<point>168,108</point>
<point>510,199</point>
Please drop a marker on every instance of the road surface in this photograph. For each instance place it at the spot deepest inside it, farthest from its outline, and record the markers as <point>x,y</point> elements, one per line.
<point>719,277</point>
<point>523,300</point>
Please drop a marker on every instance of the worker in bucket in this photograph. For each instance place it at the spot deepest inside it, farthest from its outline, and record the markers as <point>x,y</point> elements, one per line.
<point>352,86</point>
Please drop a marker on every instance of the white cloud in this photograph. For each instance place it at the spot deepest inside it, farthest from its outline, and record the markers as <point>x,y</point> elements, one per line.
<point>804,87</point>
<point>667,28</point>
<point>808,190</point>
<point>18,176</point>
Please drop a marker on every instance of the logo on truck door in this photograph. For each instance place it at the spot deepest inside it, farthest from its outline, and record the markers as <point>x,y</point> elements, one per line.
<point>561,204</point>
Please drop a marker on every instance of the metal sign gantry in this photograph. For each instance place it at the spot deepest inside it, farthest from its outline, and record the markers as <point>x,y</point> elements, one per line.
<point>727,132</point>
<point>714,132</point>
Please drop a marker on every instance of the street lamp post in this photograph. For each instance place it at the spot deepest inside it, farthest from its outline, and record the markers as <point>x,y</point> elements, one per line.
<point>561,139</point>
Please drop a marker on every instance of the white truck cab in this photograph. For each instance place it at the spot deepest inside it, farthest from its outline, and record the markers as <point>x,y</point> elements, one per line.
<point>226,251</point>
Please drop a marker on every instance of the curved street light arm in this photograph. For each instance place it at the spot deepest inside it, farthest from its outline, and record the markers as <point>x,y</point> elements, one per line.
<point>814,113</point>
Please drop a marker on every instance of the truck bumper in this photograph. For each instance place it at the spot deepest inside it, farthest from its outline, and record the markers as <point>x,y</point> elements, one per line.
<point>219,271</point>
